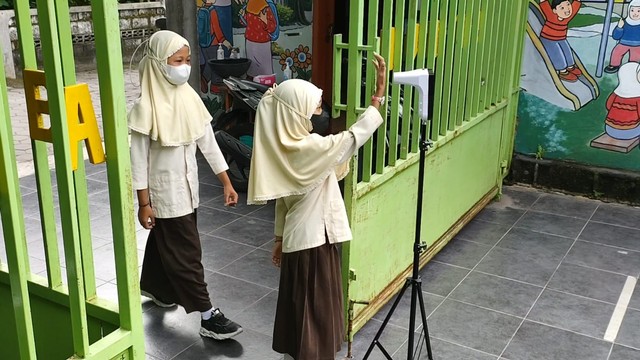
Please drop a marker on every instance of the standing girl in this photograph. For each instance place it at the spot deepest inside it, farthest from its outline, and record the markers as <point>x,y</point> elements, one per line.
<point>628,34</point>
<point>168,122</point>
<point>300,171</point>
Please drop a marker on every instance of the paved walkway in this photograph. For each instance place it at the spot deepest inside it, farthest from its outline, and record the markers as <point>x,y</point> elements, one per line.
<point>20,123</point>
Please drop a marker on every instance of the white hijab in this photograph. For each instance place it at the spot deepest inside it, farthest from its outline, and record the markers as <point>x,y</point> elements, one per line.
<point>629,20</point>
<point>172,115</point>
<point>287,159</point>
<point>629,84</point>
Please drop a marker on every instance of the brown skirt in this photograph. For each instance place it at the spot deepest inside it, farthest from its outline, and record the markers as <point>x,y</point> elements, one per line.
<point>309,322</point>
<point>172,267</point>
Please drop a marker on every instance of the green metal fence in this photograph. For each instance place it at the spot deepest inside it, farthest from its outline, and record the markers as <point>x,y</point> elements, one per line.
<point>474,49</point>
<point>45,317</point>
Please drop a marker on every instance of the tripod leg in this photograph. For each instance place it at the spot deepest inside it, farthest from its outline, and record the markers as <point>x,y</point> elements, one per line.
<point>423,312</point>
<point>384,323</point>
<point>412,320</point>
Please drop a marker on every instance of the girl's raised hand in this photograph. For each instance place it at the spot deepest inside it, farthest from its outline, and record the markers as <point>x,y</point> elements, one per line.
<point>381,74</point>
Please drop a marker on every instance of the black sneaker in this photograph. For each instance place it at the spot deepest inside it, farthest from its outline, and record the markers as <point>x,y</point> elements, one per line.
<point>219,327</point>
<point>611,69</point>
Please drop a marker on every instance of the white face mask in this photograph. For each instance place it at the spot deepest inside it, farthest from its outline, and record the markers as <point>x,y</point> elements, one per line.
<point>178,75</point>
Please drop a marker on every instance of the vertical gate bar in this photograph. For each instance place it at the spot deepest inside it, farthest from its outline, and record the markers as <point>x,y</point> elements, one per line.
<point>337,75</point>
<point>496,69</point>
<point>112,97</point>
<point>398,25</point>
<point>511,27</point>
<point>450,55</point>
<point>40,156</point>
<point>411,123</point>
<point>467,62</point>
<point>485,22</point>
<point>461,49</point>
<point>13,229</point>
<point>421,63</point>
<point>385,51</point>
<point>488,69</point>
<point>474,60</point>
<point>66,191</point>
<point>79,175</point>
<point>371,36</point>
<point>440,70</point>
<point>433,33</point>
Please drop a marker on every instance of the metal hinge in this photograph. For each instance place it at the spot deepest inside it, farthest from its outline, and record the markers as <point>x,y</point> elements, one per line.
<point>352,275</point>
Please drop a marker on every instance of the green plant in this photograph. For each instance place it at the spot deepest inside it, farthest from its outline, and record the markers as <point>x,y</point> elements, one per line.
<point>540,152</point>
<point>285,14</point>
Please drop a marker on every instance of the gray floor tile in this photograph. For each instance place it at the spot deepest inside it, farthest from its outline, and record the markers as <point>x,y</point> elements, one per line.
<point>616,214</point>
<point>565,205</point>
<point>249,345</point>
<point>496,293</point>
<point>400,316</point>
<point>444,350</point>
<point>440,279</point>
<point>248,231</point>
<point>588,282</point>
<point>483,232</point>
<point>212,219</point>
<point>552,224</point>
<point>499,213</point>
<point>462,253</point>
<point>519,196</point>
<point>540,342</point>
<point>629,333</point>
<point>605,258</point>
<point>266,212</point>
<point>570,312</point>
<point>260,316</point>
<point>168,332</point>
<point>535,244</point>
<point>392,339</point>
<point>218,253</point>
<point>635,298</point>
<point>613,235</point>
<point>623,353</point>
<point>218,202</point>
<point>471,326</point>
<point>256,267</point>
<point>232,295</point>
<point>518,266</point>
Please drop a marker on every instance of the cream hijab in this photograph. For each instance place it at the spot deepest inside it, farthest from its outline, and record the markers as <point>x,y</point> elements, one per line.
<point>172,115</point>
<point>629,81</point>
<point>287,159</point>
<point>629,20</point>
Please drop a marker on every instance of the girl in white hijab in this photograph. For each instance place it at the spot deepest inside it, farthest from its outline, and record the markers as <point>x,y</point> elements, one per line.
<point>168,123</point>
<point>628,34</point>
<point>300,171</point>
<point>623,105</point>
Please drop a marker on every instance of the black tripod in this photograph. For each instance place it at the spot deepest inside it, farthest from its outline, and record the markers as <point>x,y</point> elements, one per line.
<point>415,282</point>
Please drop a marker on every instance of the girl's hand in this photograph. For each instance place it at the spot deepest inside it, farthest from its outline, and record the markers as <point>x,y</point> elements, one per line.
<point>276,254</point>
<point>621,23</point>
<point>230,196</point>
<point>381,74</point>
<point>146,217</point>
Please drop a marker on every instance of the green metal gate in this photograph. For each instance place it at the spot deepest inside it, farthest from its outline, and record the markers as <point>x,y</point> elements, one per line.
<point>44,318</point>
<point>474,48</point>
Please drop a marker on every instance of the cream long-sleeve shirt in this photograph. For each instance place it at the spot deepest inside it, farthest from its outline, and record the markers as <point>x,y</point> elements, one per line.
<point>302,220</point>
<point>171,172</point>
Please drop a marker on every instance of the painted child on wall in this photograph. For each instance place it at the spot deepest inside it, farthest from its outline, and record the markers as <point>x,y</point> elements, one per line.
<point>261,19</point>
<point>214,28</point>
<point>628,34</point>
<point>558,14</point>
<point>623,105</point>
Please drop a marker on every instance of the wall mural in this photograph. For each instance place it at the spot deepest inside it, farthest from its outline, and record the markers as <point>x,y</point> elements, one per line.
<point>273,34</point>
<point>580,97</point>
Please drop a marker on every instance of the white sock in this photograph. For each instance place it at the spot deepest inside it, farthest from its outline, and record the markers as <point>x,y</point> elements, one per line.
<point>206,315</point>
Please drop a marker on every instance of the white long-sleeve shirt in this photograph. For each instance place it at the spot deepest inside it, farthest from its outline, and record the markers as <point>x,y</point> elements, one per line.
<point>302,220</point>
<point>171,172</point>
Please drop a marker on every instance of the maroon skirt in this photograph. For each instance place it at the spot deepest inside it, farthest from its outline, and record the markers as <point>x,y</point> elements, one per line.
<point>309,322</point>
